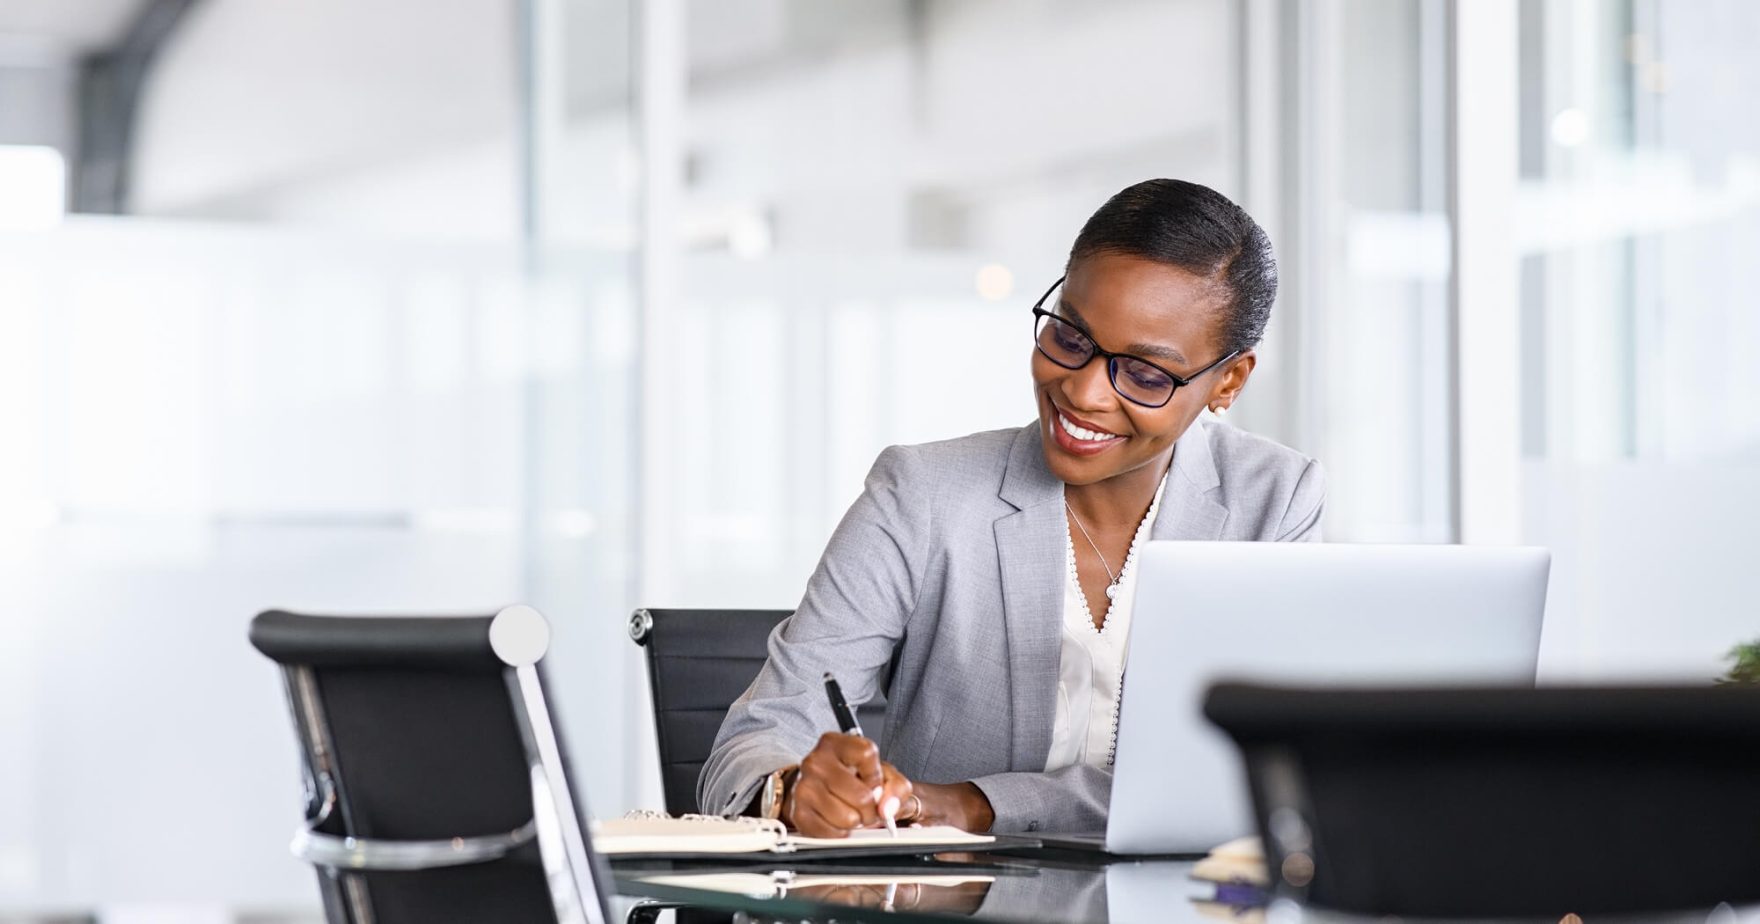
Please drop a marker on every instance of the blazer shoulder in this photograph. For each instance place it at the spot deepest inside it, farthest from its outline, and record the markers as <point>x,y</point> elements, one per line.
<point>954,482</point>
<point>960,463</point>
<point>1238,451</point>
<point>1284,486</point>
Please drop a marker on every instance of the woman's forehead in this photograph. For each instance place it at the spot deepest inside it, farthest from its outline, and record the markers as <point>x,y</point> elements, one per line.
<point>1135,305</point>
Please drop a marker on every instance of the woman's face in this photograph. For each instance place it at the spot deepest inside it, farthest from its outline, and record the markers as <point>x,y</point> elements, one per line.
<point>1160,313</point>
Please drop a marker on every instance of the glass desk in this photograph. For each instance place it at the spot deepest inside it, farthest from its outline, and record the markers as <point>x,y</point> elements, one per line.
<point>1041,887</point>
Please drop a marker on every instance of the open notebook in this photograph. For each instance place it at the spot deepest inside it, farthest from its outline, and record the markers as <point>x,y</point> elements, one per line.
<point>647,833</point>
<point>778,884</point>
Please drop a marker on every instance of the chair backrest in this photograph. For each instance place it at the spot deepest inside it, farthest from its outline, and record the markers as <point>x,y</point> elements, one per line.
<point>1503,802</point>
<point>699,662</point>
<point>430,763</point>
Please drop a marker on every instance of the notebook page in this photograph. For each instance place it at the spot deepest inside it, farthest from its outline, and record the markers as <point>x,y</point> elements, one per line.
<point>779,885</point>
<point>914,836</point>
<point>689,834</point>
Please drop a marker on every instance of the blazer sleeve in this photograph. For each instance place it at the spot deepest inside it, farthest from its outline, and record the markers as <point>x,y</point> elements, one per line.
<point>849,622</point>
<point>1073,798</point>
<point>1301,519</point>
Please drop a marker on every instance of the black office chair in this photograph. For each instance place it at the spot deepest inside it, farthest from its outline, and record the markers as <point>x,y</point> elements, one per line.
<point>1503,802</point>
<point>436,786</point>
<point>699,662</point>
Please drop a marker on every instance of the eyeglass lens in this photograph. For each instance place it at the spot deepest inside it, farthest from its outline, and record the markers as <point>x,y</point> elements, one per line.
<point>1068,347</point>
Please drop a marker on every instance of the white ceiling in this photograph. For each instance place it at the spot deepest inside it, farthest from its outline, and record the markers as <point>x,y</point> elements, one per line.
<point>74,26</point>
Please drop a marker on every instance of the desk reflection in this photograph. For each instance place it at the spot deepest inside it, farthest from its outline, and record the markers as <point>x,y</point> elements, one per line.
<point>1039,889</point>
<point>987,888</point>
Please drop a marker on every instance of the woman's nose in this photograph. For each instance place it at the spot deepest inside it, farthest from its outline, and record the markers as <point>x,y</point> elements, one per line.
<point>1089,387</point>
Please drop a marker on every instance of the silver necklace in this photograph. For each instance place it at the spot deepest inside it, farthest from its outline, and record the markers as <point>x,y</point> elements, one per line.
<point>1111,590</point>
<point>1112,579</point>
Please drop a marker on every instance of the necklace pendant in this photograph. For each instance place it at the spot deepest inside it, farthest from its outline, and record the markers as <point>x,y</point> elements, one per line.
<point>1111,591</point>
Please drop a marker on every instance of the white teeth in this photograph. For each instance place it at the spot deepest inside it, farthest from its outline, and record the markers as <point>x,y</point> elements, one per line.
<point>1084,434</point>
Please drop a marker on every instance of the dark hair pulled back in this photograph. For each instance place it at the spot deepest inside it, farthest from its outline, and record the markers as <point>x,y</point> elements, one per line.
<point>1200,231</point>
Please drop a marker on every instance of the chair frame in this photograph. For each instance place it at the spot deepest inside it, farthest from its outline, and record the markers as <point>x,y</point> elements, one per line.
<point>641,629</point>
<point>567,859</point>
<point>641,632</point>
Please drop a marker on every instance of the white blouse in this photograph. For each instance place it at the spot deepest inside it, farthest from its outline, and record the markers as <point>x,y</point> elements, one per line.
<point>1091,667</point>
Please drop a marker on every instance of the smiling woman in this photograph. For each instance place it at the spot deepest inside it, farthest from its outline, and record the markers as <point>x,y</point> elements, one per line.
<point>986,582</point>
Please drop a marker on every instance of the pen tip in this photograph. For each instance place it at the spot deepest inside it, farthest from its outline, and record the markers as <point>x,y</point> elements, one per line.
<point>828,676</point>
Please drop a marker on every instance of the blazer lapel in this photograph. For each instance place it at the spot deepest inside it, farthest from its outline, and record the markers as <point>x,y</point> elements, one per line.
<point>1029,550</point>
<point>1187,511</point>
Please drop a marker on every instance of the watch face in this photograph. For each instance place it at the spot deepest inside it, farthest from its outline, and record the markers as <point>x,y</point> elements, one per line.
<point>772,802</point>
<point>775,793</point>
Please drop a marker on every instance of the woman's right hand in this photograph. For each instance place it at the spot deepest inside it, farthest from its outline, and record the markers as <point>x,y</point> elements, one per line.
<point>842,786</point>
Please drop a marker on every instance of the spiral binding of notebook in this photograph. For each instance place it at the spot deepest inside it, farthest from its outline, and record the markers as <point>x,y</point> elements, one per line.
<point>658,834</point>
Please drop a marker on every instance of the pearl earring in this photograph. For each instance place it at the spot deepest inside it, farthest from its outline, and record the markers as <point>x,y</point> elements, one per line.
<point>1219,410</point>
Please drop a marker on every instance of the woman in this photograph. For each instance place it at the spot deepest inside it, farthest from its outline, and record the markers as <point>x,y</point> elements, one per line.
<point>986,582</point>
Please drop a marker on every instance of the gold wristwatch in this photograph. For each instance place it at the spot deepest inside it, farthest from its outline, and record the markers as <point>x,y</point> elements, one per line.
<point>775,790</point>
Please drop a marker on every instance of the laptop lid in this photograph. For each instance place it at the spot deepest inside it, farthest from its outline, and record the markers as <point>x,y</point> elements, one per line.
<point>1309,613</point>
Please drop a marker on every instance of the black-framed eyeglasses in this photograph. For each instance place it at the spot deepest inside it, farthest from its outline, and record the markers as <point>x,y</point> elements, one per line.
<point>1136,379</point>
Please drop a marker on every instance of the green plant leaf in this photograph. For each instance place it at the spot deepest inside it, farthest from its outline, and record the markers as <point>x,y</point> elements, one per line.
<point>1746,668</point>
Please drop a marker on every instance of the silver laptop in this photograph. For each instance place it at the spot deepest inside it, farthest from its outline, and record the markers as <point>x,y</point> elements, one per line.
<point>1309,613</point>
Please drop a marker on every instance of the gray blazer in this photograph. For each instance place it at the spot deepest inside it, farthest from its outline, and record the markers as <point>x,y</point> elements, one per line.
<point>952,560</point>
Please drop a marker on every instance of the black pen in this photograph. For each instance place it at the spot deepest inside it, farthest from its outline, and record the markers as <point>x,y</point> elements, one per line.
<point>846,723</point>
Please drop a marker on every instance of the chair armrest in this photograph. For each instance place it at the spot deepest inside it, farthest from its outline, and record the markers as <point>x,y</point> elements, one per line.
<point>335,851</point>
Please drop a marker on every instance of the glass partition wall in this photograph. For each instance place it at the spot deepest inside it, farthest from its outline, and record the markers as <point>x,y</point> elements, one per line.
<point>582,183</point>
<point>873,195</point>
<point>1345,157</point>
<point>362,345</point>
<point>1638,222</point>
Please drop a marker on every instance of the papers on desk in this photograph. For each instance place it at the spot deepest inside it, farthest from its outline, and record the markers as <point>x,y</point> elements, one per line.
<point>1238,862</point>
<point>941,837</point>
<point>651,834</point>
<point>1242,881</point>
<point>779,883</point>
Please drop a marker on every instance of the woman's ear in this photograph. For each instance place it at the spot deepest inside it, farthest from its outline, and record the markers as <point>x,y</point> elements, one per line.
<point>1229,384</point>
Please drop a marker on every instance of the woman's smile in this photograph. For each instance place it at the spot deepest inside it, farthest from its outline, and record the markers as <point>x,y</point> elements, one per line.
<point>1075,435</point>
<point>1093,431</point>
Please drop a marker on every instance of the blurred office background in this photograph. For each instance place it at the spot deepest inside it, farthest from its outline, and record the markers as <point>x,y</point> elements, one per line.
<point>391,305</point>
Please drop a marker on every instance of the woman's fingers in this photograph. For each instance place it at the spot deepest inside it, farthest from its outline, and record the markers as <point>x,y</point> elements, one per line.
<point>896,801</point>
<point>806,819</point>
<point>825,769</point>
<point>855,752</point>
<point>839,787</point>
<point>817,813</point>
<point>843,785</point>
